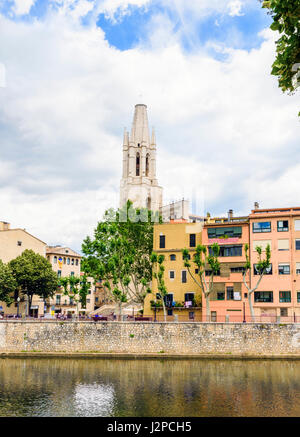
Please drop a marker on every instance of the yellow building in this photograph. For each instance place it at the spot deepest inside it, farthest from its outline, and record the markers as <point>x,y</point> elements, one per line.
<point>13,242</point>
<point>169,239</point>
<point>66,262</point>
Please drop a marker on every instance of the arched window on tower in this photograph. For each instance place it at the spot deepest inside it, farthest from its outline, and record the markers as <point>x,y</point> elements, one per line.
<point>147,164</point>
<point>137,164</point>
<point>149,203</point>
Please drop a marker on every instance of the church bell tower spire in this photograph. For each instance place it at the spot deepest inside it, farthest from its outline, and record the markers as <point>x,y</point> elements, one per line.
<point>139,183</point>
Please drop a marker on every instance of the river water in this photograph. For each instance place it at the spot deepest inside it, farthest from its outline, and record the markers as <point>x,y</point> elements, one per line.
<point>148,388</point>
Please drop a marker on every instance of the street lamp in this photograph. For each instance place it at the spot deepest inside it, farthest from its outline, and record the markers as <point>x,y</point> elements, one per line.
<point>18,300</point>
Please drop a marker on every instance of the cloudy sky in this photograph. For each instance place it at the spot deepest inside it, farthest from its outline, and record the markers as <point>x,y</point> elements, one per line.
<point>71,72</point>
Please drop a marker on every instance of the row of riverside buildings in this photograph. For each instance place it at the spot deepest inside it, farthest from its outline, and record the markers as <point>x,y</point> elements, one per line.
<point>277,297</point>
<point>65,262</point>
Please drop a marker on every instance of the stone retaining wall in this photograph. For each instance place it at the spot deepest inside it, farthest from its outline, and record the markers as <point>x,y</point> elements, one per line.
<point>147,337</point>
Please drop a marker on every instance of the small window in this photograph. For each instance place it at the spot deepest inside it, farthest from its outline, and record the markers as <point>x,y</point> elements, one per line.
<point>209,273</point>
<point>96,299</point>
<point>284,296</point>
<point>221,295</point>
<point>298,296</point>
<point>192,240</point>
<point>188,257</point>
<point>197,271</point>
<point>55,259</point>
<point>59,273</point>
<point>68,261</point>
<point>77,262</point>
<point>168,299</point>
<point>297,244</point>
<point>64,260</point>
<point>162,241</point>
<point>172,257</point>
<point>297,225</point>
<point>229,293</point>
<point>57,299</point>
<point>183,276</point>
<point>245,295</point>
<point>72,274</point>
<point>282,226</point>
<point>88,300</point>
<point>283,312</point>
<point>170,312</point>
<point>261,227</point>
<point>283,269</point>
<point>19,243</point>
<point>283,244</point>
<point>172,274</point>
<point>72,261</point>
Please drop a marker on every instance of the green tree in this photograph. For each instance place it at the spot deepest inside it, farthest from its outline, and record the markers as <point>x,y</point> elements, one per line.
<point>158,273</point>
<point>201,259</point>
<point>119,254</point>
<point>33,275</point>
<point>286,20</point>
<point>261,268</point>
<point>76,288</point>
<point>8,284</point>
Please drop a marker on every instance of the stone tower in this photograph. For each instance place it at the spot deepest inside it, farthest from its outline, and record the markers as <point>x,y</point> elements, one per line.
<point>139,183</point>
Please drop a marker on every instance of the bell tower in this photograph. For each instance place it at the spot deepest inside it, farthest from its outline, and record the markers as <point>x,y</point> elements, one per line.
<point>139,183</point>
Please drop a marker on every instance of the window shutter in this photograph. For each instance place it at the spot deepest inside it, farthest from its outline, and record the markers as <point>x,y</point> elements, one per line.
<point>283,244</point>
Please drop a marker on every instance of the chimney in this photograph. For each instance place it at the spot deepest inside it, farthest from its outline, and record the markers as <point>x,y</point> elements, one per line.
<point>256,205</point>
<point>230,215</point>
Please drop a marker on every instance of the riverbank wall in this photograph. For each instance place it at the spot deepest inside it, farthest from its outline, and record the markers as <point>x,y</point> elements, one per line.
<point>147,338</point>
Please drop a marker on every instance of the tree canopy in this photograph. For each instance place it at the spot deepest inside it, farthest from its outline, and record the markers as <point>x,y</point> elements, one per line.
<point>286,20</point>
<point>8,284</point>
<point>120,253</point>
<point>33,275</point>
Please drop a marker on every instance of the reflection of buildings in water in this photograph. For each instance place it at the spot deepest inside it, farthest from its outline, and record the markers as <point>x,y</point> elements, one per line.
<point>94,399</point>
<point>95,387</point>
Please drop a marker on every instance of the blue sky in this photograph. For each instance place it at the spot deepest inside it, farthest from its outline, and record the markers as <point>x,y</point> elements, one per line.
<point>75,69</point>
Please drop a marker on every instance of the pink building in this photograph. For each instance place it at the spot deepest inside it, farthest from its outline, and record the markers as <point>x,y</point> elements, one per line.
<point>278,295</point>
<point>229,299</point>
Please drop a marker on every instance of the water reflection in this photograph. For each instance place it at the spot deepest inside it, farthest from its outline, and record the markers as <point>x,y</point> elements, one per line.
<point>99,387</point>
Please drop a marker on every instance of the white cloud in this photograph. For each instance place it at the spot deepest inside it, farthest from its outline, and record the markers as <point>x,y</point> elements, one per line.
<point>223,128</point>
<point>22,7</point>
<point>235,8</point>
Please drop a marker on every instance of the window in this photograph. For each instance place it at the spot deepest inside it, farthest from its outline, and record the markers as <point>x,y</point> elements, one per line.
<point>282,226</point>
<point>162,241</point>
<point>77,262</point>
<point>209,272</point>
<point>88,301</point>
<point>57,299</point>
<point>283,269</point>
<point>298,296</point>
<point>147,164</point>
<point>283,312</point>
<point>59,273</point>
<point>64,260</point>
<point>192,240</point>
<point>263,296</point>
<point>55,259</point>
<point>261,227</point>
<point>172,257</point>
<point>19,243</point>
<point>191,315</point>
<point>172,274</point>
<point>245,295</point>
<point>170,312</point>
<point>229,250</point>
<point>213,315</point>
<point>261,243</point>
<point>72,262</point>
<point>237,269</point>
<point>284,244</point>
<point>229,293</point>
<point>188,257</point>
<point>96,299</point>
<point>222,232</point>
<point>284,296</point>
<point>268,270</point>
<point>168,299</point>
<point>297,225</point>
<point>189,297</point>
<point>72,274</point>
<point>221,295</point>
<point>183,276</point>
<point>297,244</point>
<point>137,173</point>
<point>71,301</point>
<point>68,260</point>
<point>197,271</point>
